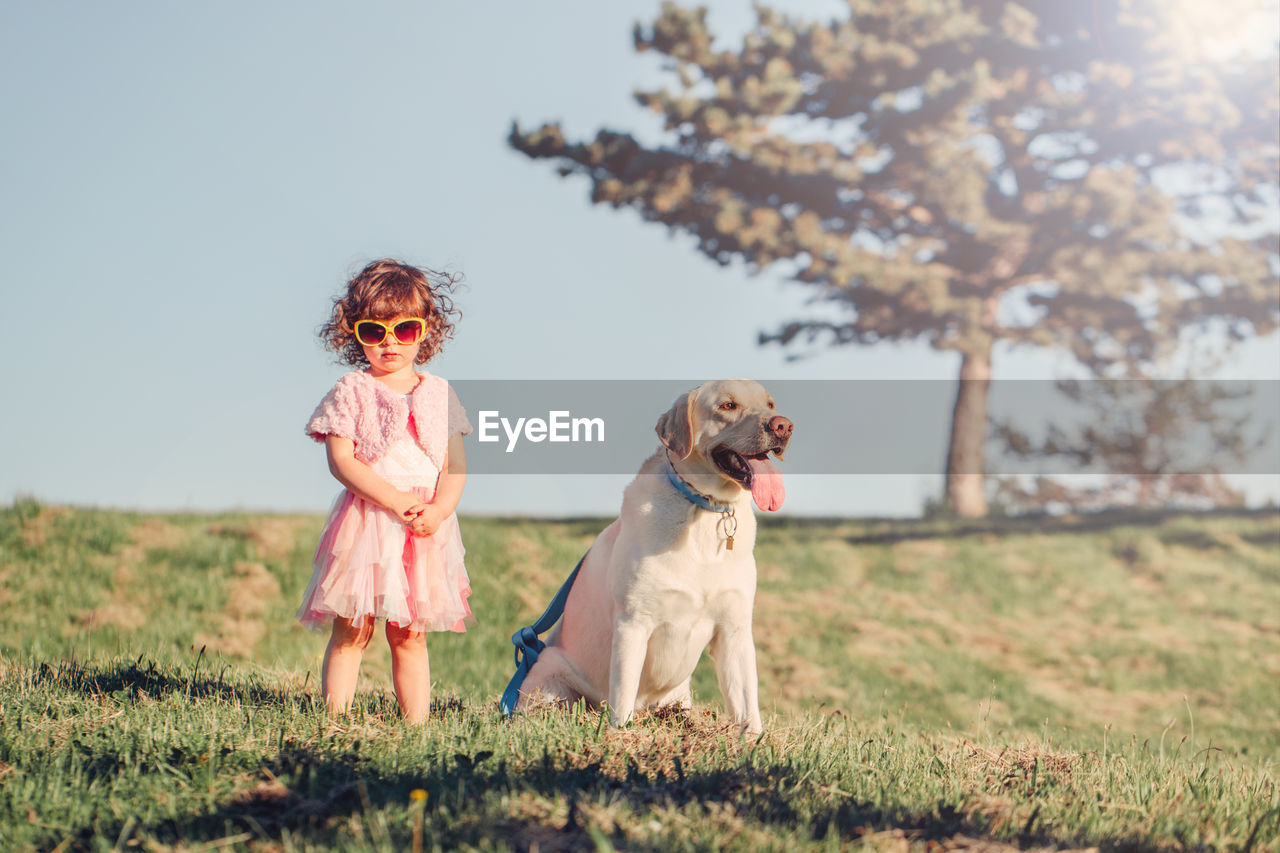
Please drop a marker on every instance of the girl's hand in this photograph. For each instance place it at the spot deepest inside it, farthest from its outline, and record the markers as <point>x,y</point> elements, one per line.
<point>364,482</point>
<point>407,506</point>
<point>428,522</point>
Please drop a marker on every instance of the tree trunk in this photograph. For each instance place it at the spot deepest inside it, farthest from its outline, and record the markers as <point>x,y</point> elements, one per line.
<point>968,434</point>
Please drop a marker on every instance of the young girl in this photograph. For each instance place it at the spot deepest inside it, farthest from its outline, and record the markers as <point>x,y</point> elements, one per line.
<point>391,548</point>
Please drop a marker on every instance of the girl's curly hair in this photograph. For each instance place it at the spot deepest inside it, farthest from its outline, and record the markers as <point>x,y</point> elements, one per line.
<point>385,289</point>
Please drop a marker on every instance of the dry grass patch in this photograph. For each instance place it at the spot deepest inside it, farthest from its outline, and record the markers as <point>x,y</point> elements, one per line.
<point>158,533</point>
<point>252,591</point>
<point>533,571</point>
<point>35,530</point>
<point>120,614</point>
<point>907,841</point>
<point>154,533</point>
<point>125,609</point>
<point>542,824</point>
<point>793,677</point>
<point>274,537</point>
<point>657,745</point>
<point>910,556</point>
<point>1018,768</point>
<point>253,587</point>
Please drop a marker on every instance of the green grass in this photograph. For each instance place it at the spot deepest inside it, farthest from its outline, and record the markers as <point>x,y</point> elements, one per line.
<point>1107,681</point>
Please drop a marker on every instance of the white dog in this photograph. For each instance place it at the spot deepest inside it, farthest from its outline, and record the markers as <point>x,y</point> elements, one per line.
<point>675,573</point>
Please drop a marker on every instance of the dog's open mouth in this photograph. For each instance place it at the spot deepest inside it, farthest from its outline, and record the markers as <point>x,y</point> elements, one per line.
<point>756,473</point>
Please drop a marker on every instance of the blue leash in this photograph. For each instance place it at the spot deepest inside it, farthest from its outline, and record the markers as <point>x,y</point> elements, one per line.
<point>526,641</point>
<point>528,646</point>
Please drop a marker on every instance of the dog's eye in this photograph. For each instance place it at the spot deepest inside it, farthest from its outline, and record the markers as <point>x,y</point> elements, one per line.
<point>771,404</point>
<point>728,405</point>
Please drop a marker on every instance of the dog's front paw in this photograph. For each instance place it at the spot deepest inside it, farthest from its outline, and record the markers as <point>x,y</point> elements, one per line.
<point>618,717</point>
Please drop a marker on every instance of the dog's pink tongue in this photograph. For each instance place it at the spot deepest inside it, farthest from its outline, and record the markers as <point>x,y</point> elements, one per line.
<point>766,484</point>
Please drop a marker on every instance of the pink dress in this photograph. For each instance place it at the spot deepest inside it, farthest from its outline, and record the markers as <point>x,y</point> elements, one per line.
<point>368,563</point>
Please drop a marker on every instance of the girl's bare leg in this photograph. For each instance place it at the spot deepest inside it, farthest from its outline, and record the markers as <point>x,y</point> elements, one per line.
<point>410,672</point>
<point>341,664</point>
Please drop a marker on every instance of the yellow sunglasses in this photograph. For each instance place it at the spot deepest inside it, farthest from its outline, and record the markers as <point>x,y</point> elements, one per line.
<point>371,333</point>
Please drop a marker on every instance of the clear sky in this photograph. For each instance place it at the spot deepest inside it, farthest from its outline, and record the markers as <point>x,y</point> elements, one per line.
<point>186,185</point>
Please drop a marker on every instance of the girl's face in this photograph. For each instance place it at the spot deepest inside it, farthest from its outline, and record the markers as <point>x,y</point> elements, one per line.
<point>398,346</point>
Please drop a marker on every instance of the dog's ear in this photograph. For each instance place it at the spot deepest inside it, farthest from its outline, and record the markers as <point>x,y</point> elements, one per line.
<point>675,427</point>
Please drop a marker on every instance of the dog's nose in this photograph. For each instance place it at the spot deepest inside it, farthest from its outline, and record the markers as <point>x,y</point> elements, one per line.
<point>781,427</point>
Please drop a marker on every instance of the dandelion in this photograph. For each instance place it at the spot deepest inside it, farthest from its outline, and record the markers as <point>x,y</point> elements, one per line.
<point>419,798</point>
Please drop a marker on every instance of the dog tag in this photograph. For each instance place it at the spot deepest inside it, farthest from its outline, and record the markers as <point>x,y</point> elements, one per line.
<point>730,527</point>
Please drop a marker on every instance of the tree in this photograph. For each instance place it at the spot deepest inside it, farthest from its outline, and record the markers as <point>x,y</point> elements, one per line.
<point>970,173</point>
<point>1157,443</point>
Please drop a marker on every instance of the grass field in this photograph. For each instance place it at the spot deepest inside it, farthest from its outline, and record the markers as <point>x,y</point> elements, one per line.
<point>1108,681</point>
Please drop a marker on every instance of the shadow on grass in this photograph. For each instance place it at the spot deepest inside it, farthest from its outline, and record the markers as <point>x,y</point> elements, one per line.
<point>141,677</point>
<point>324,794</point>
<point>890,531</point>
<point>322,797</point>
<point>314,797</point>
<point>136,678</point>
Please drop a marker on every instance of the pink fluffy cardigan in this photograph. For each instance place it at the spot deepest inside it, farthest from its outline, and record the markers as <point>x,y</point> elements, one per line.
<point>372,415</point>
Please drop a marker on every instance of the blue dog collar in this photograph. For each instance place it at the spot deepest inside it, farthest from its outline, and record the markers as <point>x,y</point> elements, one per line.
<point>695,498</point>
